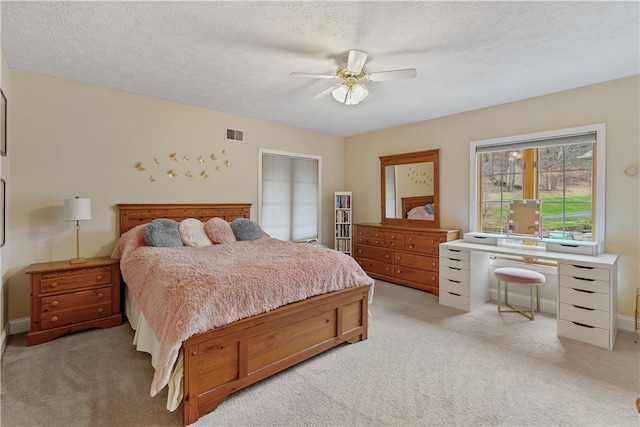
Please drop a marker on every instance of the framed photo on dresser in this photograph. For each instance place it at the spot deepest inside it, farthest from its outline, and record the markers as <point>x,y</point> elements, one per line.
<point>3,125</point>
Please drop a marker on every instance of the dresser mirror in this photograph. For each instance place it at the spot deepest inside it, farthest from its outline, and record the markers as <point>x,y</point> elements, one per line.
<point>409,189</point>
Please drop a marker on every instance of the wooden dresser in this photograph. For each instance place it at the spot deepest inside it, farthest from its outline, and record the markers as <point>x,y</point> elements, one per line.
<point>71,297</point>
<point>401,254</point>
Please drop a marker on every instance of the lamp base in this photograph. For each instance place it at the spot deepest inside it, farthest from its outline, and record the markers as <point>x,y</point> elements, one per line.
<point>78,261</point>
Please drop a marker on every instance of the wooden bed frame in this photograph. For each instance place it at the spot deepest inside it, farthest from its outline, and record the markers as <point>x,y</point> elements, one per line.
<point>409,203</point>
<point>227,359</point>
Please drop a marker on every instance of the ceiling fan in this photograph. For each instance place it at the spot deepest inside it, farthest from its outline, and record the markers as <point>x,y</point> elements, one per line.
<point>350,90</point>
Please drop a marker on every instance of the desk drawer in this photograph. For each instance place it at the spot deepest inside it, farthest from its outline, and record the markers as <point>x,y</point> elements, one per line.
<point>446,252</point>
<point>597,318</point>
<point>452,300</point>
<point>455,263</point>
<point>585,299</point>
<point>590,335</point>
<point>454,286</point>
<point>585,284</point>
<point>454,273</point>
<point>584,271</point>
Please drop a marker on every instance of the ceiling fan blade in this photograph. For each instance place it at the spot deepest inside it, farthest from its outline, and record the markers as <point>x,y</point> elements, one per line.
<point>356,60</point>
<point>327,91</point>
<point>409,73</point>
<point>314,76</point>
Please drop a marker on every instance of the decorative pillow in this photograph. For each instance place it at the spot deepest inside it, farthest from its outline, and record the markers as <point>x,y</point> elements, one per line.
<point>245,229</point>
<point>193,234</point>
<point>162,233</point>
<point>219,231</point>
<point>429,208</point>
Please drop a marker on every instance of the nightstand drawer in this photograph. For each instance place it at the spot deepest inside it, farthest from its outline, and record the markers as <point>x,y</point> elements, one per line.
<point>61,317</point>
<point>54,304</point>
<point>74,279</point>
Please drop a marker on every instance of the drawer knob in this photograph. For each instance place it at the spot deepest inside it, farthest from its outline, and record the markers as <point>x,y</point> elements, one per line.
<point>54,303</point>
<point>54,319</point>
<point>54,284</point>
<point>100,310</point>
<point>99,278</point>
<point>100,295</point>
<point>359,251</point>
<point>386,256</point>
<point>398,271</point>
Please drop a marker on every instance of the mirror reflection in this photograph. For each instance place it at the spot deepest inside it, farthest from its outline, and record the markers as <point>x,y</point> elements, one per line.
<point>410,188</point>
<point>409,191</point>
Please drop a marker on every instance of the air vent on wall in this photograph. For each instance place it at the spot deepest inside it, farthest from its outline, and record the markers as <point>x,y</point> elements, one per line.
<point>235,135</point>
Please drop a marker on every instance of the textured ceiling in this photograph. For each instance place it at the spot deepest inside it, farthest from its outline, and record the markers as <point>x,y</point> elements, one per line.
<point>236,57</point>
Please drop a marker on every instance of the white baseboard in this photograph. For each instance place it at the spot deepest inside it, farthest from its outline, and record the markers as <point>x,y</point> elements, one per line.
<point>3,339</point>
<point>18,326</point>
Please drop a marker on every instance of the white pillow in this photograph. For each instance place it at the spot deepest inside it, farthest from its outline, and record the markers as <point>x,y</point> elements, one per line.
<point>193,234</point>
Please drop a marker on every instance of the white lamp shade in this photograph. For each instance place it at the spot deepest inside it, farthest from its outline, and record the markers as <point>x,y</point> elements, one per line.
<point>77,209</point>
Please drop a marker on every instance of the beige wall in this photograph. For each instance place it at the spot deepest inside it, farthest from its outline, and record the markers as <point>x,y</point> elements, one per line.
<point>615,103</point>
<point>72,139</point>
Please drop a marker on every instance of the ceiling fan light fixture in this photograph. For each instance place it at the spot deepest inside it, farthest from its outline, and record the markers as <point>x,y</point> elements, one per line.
<point>350,93</point>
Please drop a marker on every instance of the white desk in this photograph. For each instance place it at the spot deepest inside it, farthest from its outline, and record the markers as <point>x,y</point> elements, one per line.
<point>587,286</point>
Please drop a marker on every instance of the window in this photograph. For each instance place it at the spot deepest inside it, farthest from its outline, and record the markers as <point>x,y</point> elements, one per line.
<point>289,195</point>
<point>564,169</point>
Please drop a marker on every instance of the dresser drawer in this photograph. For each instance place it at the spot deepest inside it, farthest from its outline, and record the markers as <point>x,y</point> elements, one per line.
<point>394,240</point>
<point>590,317</point>
<point>454,273</point>
<point>376,254</point>
<point>584,272</point>
<point>454,286</point>
<point>422,244</point>
<point>416,261</point>
<point>588,334</point>
<point>416,275</point>
<point>585,284</point>
<point>585,299</point>
<point>453,300</point>
<point>454,263</point>
<point>376,267</point>
<point>74,279</point>
<point>446,252</point>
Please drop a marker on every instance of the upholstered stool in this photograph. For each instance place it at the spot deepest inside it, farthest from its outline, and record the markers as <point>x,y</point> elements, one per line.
<point>520,276</point>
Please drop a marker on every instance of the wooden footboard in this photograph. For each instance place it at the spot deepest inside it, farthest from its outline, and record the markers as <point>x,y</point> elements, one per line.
<point>222,361</point>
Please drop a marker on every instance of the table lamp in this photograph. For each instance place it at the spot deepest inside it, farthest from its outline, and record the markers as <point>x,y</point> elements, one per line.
<point>77,210</point>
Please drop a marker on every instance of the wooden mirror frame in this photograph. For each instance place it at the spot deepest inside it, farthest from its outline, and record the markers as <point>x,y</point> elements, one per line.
<point>403,159</point>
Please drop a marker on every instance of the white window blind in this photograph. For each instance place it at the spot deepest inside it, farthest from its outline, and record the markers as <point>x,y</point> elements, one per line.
<point>289,195</point>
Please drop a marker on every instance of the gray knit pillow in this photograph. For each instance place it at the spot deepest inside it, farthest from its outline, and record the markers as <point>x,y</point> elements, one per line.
<point>245,229</point>
<point>163,233</point>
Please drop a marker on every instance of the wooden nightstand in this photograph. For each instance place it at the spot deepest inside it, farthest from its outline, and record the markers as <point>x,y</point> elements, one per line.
<point>71,297</point>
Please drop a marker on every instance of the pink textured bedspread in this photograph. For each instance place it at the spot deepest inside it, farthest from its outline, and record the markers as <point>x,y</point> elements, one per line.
<point>184,291</point>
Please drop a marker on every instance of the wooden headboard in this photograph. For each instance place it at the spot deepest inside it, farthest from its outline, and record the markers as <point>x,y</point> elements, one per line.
<point>136,214</point>
<point>409,203</point>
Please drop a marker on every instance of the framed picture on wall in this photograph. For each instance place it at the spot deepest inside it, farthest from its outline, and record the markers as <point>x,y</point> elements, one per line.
<point>3,211</point>
<point>3,125</point>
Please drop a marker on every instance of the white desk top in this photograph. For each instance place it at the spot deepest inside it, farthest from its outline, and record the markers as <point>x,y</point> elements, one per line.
<point>517,250</point>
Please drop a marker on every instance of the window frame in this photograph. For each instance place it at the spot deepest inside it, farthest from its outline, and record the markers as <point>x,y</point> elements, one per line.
<point>600,169</point>
<point>262,151</point>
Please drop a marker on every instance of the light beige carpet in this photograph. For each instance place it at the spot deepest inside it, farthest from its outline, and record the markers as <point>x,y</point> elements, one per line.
<point>423,365</point>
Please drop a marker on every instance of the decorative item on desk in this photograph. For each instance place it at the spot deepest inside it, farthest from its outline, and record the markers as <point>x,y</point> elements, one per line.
<point>77,210</point>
